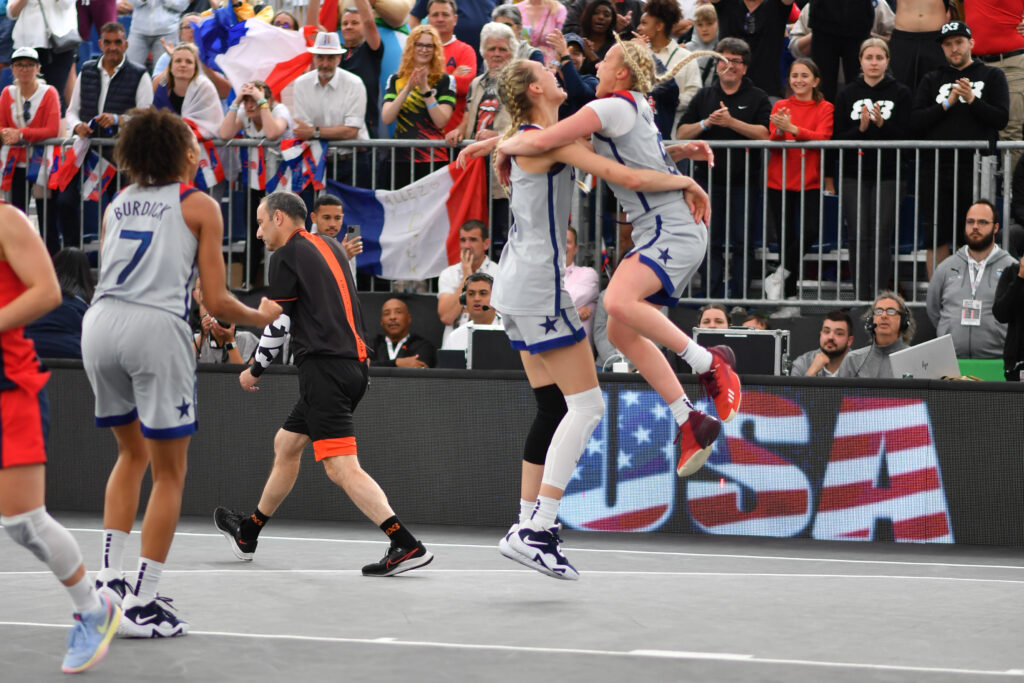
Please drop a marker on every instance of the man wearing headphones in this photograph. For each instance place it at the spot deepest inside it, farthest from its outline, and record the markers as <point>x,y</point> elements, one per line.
<point>891,327</point>
<point>476,298</point>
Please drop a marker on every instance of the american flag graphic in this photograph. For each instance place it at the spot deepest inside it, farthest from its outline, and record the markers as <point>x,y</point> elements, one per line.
<point>626,479</point>
<point>756,492</point>
<point>884,465</point>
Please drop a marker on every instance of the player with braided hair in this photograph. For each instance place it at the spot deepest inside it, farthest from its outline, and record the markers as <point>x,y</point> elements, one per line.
<point>670,245</point>
<point>538,313</point>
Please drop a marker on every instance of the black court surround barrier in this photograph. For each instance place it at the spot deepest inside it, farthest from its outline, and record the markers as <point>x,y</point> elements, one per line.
<point>867,460</point>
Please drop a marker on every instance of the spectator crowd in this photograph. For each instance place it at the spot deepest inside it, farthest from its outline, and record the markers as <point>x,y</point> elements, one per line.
<point>795,72</point>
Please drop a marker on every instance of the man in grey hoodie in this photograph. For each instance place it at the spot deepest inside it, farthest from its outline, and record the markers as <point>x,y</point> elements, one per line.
<point>963,288</point>
<point>891,328</point>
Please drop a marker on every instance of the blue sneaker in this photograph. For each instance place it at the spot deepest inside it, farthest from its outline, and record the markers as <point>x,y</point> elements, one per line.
<point>153,619</point>
<point>90,636</point>
<point>540,548</point>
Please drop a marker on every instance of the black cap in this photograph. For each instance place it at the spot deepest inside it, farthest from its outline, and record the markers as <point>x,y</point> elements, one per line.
<point>954,28</point>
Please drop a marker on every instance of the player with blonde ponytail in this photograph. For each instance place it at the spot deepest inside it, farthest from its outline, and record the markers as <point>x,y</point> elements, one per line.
<point>538,313</point>
<point>670,245</point>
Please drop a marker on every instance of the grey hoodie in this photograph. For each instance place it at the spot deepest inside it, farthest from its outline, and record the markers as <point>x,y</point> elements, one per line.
<point>951,285</point>
<point>870,361</point>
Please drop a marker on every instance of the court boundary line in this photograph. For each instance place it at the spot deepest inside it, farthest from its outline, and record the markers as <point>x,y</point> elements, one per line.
<point>636,653</point>
<point>781,558</point>
<point>242,570</point>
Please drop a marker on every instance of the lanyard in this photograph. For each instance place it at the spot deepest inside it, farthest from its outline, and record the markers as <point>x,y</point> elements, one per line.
<point>974,274</point>
<point>393,349</point>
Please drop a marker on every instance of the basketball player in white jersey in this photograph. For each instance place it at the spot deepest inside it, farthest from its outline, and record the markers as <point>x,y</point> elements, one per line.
<point>670,245</point>
<point>539,315</point>
<point>137,352</point>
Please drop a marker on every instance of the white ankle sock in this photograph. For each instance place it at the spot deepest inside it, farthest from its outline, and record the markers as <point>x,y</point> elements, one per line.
<point>697,357</point>
<point>526,509</point>
<point>113,549</point>
<point>547,510</point>
<point>681,409</point>
<point>83,594</point>
<point>149,576</point>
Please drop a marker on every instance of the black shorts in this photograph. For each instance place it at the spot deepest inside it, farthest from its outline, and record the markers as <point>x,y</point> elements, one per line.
<point>330,388</point>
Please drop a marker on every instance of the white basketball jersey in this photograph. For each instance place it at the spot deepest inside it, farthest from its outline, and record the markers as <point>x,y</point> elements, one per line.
<point>148,254</point>
<point>638,146</point>
<point>531,272</point>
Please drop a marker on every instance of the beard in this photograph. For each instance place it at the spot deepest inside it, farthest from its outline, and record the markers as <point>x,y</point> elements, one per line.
<point>834,353</point>
<point>982,241</point>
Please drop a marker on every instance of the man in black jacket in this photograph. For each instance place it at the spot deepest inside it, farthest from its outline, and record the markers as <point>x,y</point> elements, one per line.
<point>1008,308</point>
<point>398,347</point>
<point>964,100</point>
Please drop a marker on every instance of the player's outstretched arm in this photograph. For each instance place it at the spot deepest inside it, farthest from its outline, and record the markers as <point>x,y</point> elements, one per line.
<point>636,179</point>
<point>580,125</point>
<point>24,250</point>
<point>202,214</point>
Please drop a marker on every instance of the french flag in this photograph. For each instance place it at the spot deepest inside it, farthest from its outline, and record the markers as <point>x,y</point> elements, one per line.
<point>251,50</point>
<point>98,173</point>
<point>413,233</point>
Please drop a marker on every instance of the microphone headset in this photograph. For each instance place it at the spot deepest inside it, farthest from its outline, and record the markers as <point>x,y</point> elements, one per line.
<point>476,277</point>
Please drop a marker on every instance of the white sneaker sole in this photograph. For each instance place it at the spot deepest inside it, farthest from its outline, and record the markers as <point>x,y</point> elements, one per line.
<point>695,462</point>
<point>535,561</point>
<point>129,629</point>
<point>506,549</point>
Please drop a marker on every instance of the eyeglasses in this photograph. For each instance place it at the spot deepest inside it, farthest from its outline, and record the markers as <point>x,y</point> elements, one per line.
<point>283,24</point>
<point>886,311</point>
<point>424,46</point>
<point>23,65</point>
<point>735,61</point>
<point>749,24</point>
<point>981,222</point>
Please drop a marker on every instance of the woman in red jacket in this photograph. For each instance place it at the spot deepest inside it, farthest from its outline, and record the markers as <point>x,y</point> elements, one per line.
<point>29,112</point>
<point>804,115</point>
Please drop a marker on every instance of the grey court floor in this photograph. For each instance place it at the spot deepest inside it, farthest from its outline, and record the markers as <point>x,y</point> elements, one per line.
<point>651,607</point>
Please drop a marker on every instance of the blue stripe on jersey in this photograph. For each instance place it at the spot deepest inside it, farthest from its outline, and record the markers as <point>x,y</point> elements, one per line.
<point>626,95</point>
<point>188,292</point>
<point>552,231</point>
<point>618,157</point>
<point>185,189</point>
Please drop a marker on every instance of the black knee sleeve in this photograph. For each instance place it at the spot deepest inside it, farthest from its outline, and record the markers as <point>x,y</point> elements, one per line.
<point>550,411</point>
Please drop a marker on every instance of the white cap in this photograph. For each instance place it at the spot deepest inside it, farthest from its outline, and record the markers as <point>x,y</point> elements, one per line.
<point>327,43</point>
<point>25,53</point>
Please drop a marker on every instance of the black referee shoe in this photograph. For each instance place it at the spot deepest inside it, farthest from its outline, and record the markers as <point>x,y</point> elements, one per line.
<point>229,523</point>
<point>399,560</point>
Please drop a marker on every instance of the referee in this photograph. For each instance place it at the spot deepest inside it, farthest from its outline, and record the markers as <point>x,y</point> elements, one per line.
<point>310,279</point>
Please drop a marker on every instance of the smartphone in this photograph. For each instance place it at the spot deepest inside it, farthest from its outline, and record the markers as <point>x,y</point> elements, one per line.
<point>353,232</point>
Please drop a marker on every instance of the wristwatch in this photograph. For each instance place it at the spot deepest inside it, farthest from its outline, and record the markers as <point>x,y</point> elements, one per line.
<point>230,345</point>
<point>429,93</point>
<point>316,133</point>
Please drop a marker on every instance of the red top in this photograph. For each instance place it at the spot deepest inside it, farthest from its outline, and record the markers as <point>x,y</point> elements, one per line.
<point>456,54</point>
<point>45,122</point>
<point>814,122</point>
<point>994,25</point>
<point>19,365</point>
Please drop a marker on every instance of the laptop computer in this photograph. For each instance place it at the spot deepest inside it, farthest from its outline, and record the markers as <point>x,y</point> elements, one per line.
<point>932,359</point>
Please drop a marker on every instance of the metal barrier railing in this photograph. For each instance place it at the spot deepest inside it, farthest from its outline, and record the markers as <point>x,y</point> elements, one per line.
<point>910,198</point>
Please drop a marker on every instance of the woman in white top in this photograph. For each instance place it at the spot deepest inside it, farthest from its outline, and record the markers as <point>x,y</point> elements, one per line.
<point>538,313</point>
<point>35,22</point>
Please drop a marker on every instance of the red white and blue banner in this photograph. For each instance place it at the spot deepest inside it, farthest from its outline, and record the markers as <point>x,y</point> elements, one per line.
<point>790,464</point>
<point>413,233</point>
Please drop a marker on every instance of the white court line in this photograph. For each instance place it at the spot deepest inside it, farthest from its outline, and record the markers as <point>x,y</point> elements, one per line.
<point>623,551</point>
<point>643,654</point>
<point>599,572</point>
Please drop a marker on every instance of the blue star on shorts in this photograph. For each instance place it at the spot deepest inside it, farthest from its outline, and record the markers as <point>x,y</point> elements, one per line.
<point>549,325</point>
<point>183,409</point>
<point>663,255</point>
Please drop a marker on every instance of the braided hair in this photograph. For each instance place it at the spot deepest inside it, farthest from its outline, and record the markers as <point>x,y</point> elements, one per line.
<point>513,82</point>
<point>638,58</point>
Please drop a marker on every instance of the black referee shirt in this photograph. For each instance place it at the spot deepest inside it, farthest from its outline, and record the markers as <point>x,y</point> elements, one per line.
<point>310,278</point>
